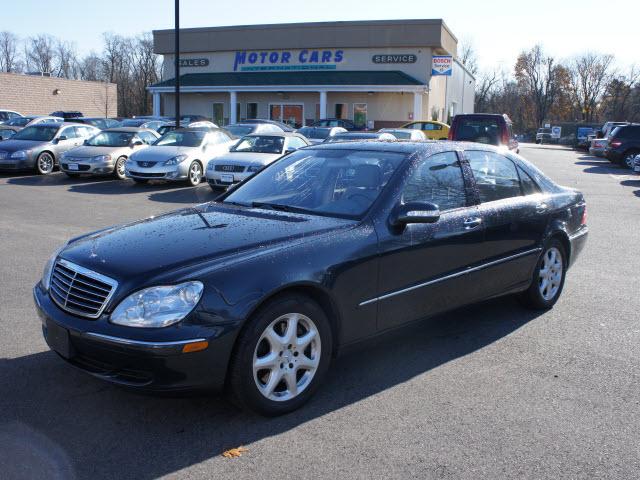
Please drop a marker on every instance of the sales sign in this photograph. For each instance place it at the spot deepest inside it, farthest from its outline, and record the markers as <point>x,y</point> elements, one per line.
<point>194,62</point>
<point>441,65</point>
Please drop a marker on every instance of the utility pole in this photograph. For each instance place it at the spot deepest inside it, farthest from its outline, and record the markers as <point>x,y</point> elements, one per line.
<point>177,67</point>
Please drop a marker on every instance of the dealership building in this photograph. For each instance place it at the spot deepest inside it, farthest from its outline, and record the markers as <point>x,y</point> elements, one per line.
<point>376,73</point>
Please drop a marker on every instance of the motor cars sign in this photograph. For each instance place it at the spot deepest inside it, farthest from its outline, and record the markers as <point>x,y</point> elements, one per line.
<point>441,65</point>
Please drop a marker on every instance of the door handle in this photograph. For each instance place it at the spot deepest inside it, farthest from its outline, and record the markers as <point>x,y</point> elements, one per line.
<point>541,207</point>
<point>472,222</point>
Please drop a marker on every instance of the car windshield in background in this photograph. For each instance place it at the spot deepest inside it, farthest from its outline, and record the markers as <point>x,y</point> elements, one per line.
<point>399,134</point>
<point>315,132</point>
<point>240,130</point>
<point>133,122</point>
<point>111,139</point>
<point>181,139</point>
<point>480,130</point>
<point>260,144</point>
<point>165,129</point>
<point>19,121</point>
<point>36,133</point>
<point>351,136</point>
<point>341,183</point>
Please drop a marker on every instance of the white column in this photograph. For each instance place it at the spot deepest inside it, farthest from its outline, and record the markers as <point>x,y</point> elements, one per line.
<point>417,106</point>
<point>323,104</point>
<point>233,100</point>
<point>156,104</point>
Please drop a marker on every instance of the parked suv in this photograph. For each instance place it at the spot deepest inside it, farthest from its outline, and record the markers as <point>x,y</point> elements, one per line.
<point>543,135</point>
<point>624,145</point>
<point>489,128</point>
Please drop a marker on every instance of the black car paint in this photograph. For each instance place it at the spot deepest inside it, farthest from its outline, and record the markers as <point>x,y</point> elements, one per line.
<point>245,256</point>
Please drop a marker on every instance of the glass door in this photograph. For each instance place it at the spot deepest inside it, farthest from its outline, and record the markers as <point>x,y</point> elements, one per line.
<point>360,114</point>
<point>218,113</point>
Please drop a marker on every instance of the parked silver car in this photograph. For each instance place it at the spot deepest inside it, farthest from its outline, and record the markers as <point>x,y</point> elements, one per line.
<point>320,134</point>
<point>405,133</point>
<point>106,152</point>
<point>251,154</point>
<point>241,129</point>
<point>22,122</point>
<point>40,146</point>
<point>178,156</point>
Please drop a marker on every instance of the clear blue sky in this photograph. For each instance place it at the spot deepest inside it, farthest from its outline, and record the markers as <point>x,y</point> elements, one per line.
<point>499,29</point>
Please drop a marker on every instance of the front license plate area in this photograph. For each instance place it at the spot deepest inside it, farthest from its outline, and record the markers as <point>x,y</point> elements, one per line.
<point>58,340</point>
<point>73,166</point>
<point>226,178</point>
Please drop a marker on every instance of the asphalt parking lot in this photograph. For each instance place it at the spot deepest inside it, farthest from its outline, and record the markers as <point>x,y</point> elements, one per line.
<point>490,391</point>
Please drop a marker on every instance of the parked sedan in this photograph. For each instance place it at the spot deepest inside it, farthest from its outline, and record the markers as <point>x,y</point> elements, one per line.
<point>8,132</point>
<point>22,122</point>
<point>431,128</point>
<point>179,155</point>
<point>40,146</point>
<point>598,146</point>
<point>320,134</point>
<point>242,129</point>
<point>326,247</point>
<point>98,122</point>
<point>336,122</point>
<point>405,133</point>
<point>106,152</point>
<point>250,155</point>
<point>171,126</point>
<point>142,123</point>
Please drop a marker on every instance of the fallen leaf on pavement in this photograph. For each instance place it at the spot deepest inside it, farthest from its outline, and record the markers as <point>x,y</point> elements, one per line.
<point>234,452</point>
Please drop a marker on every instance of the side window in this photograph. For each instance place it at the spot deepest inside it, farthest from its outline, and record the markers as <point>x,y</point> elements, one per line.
<point>147,137</point>
<point>529,186</point>
<point>296,142</point>
<point>496,176</point>
<point>428,126</point>
<point>69,132</point>
<point>437,179</point>
<point>85,131</point>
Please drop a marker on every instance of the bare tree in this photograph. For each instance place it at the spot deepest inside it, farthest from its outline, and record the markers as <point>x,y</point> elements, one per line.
<point>590,74</point>
<point>468,56</point>
<point>40,53</point>
<point>9,56</point>
<point>541,80</point>
<point>90,68</point>
<point>485,86</point>
<point>618,100</point>
<point>145,70</point>
<point>66,60</point>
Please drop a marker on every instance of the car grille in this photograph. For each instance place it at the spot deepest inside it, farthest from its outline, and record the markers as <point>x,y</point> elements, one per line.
<point>3,155</point>
<point>80,291</point>
<point>76,159</point>
<point>146,164</point>
<point>147,174</point>
<point>229,168</point>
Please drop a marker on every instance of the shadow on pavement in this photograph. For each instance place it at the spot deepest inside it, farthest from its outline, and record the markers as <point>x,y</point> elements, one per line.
<point>61,421</point>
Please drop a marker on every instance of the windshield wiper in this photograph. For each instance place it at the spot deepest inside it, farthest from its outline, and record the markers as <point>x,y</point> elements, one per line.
<point>280,207</point>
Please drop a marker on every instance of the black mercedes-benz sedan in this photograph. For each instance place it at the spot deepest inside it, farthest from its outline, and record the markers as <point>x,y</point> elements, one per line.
<point>258,290</point>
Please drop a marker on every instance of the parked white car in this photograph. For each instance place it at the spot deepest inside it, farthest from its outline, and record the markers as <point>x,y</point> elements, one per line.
<point>320,134</point>
<point>178,156</point>
<point>405,133</point>
<point>251,154</point>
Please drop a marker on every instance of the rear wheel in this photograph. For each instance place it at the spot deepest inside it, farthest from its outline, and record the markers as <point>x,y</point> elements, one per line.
<point>281,356</point>
<point>627,159</point>
<point>548,277</point>
<point>45,163</point>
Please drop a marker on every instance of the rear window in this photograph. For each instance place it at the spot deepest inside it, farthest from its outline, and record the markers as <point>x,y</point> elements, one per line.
<point>478,129</point>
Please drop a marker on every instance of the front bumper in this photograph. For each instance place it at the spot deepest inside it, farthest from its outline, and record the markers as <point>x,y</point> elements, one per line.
<point>25,164</point>
<point>91,168</point>
<point>171,172</point>
<point>141,359</point>
<point>222,179</point>
<point>597,151</point>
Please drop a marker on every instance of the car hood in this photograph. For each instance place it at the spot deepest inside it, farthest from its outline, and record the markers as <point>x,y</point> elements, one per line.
<point>166,247</point>
<point>160,153</point>
<point>89,151</point>
<point>15,145</point>
<point>246,158</point>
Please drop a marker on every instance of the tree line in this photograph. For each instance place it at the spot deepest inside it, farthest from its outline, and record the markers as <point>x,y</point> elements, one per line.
<point>586,88</point>
<point>128,62</point>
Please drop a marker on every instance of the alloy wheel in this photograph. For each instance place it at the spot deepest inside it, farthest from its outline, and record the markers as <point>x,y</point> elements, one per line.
<point>286,357</point>
<point>45,163</point>
<point>120,168</point>
<point>195,173</point>
<point>550,274</point>
<point>628,159</point>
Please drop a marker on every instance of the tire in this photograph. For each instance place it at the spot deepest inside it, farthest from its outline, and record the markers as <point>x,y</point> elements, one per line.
<point>140,180</point>
<point>627,158</point>
<point>194,176</point>
<point>45,163</point>
<point>535,297</point>
<point>250,387</point>
<point>118,168</point>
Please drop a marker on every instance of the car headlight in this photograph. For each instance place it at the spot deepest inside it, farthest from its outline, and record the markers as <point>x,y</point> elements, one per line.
<point>175,160</point>
<point>101,158</point>
<point>19,154</point>
<point>254,168</point>
<point>156,307</point>
<point>48,268</point>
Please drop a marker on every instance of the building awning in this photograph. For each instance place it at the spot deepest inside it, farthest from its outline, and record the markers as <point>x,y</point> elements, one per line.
<point>298,79</point>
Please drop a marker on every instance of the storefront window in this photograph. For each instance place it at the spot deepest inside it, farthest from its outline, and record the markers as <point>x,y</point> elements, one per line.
<point>218,113</point>
<point>341,110</point>
<point>252,110</point>
<point>360,114</point>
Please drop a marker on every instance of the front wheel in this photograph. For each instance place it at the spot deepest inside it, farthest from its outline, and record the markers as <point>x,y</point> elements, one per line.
<point>281,356</point>
<point>548,277</point>
<point>195,174</point>
<point>118,170</point>
<point>627,159</point>
<point>45,163</point>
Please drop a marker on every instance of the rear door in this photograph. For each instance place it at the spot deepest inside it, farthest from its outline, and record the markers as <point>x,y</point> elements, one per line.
<point>421,265</point>
<point>515,214</point>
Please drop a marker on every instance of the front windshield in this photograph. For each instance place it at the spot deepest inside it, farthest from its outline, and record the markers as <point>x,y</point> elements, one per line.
<point>240,130</point>
<point>132,122</point>
<point>351,136</point>
<point>260,144</point>
<point>314,132</point>
<point>181,139</point>
<point>340,182</point>
<point>19,121</point>
<point>111,139</point>
<point>36,133</point>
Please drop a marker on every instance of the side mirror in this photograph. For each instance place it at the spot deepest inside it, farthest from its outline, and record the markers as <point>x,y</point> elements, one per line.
<point>86,141</point>
<point>137,143</point>
<point>414,212</point>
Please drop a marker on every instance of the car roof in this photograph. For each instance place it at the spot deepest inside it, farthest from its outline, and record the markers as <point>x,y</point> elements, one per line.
<point>406,146</point>
<point>275,134</point>
<point>128,129</point>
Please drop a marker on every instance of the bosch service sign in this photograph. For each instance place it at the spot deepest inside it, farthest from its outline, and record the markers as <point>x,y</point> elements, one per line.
<point>441,65</point>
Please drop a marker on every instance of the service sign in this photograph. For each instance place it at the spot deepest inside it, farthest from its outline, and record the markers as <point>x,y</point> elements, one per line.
<point>287,60</point>
<point>441,65</point>
<point>395,58</point>
<point>194,62</point>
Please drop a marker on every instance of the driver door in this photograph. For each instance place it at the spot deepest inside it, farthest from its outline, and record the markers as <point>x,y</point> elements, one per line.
<point>71,140</point>
<point>421,264</point>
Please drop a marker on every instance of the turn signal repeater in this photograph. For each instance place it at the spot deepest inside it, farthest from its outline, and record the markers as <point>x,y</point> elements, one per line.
<point>195,346</point>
